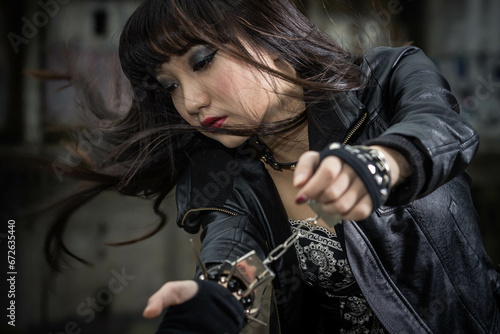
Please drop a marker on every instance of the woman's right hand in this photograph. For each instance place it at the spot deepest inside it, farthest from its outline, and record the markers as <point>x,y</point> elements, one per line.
<point>170,294</point>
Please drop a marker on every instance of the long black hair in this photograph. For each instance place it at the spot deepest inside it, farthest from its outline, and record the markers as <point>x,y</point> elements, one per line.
<point>149,146</point>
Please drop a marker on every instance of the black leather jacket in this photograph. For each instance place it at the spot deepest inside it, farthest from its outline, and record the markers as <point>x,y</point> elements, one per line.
<point>419,260</point>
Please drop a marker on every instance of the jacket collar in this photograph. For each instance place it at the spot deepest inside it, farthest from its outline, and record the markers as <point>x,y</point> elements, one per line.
<point>332,119</point>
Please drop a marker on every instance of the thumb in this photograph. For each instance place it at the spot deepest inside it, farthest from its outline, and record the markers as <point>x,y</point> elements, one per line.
<point>171,293</point>
<point>154,307</point>
<point>306,166</point>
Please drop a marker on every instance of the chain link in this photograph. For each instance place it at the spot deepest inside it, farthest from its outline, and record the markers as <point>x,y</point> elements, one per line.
<point>282,248</point>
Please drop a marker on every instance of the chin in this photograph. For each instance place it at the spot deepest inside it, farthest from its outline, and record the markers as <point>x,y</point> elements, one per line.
<point>232,141</point>
<point>229,141</point>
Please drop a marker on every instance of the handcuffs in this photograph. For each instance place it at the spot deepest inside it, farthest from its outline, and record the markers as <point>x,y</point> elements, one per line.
<point>248,276</point>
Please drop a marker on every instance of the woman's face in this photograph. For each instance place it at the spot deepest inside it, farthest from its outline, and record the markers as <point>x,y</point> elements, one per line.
<point>215,90</point>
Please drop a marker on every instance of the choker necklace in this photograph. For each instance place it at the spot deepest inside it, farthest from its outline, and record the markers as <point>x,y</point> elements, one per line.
<point>268,157</point>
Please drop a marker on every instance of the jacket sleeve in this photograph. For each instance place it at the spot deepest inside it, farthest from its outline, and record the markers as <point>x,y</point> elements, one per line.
<point>422,120</point>
<point>226,237</point>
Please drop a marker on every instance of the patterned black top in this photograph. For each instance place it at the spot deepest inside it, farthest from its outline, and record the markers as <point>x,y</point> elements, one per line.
<point>323,263</point>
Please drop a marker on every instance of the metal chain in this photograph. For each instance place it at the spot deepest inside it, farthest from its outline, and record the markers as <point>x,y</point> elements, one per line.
<point>282,248</point>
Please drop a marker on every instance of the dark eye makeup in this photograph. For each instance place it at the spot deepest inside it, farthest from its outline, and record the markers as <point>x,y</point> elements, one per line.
<point>202,58</point>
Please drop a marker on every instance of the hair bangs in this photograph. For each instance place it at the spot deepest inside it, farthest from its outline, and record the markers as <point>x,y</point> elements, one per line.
<point>150,37</point>
<point>160,29</point>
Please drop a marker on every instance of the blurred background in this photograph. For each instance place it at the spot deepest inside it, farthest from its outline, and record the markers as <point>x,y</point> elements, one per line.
<point>461,36</point>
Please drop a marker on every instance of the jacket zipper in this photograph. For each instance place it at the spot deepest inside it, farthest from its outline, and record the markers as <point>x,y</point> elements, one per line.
<point>356,128</point>
<point>183,222</point>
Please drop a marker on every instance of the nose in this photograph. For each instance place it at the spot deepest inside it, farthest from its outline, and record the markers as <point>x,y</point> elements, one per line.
<point>196,98</point>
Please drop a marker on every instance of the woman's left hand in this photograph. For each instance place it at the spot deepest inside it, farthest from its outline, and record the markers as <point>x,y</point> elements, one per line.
<point>335,184</point>
<point>170,294</point>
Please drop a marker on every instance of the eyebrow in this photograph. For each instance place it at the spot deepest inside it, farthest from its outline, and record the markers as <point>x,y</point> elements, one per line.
<point>192,55</point>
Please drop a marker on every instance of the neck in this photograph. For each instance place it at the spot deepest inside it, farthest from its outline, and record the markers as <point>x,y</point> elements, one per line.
<point>290,146</point>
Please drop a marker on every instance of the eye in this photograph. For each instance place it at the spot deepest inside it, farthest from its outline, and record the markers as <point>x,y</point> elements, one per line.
<point>170,87</point>
<point>204,62</point>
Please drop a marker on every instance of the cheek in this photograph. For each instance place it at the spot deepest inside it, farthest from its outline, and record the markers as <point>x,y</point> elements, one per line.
<point>223,87</point>
<point>244,94</point>
<point>179,107</point>
<point>237,84</point>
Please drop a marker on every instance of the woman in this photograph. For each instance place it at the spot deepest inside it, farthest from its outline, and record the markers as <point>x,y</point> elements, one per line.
<point>268,94</point>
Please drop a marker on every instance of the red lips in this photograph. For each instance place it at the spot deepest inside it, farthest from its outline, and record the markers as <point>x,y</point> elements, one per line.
<point>213,122</point>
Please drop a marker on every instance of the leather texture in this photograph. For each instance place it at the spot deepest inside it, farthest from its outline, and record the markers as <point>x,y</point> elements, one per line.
<point>419,260</point>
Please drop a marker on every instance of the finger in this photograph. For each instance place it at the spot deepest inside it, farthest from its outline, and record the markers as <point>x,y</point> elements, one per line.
<point>307,164</point>
<point>338,187</point>
<point>361,210</point>
<point>171,293</point>
<point>345,203</point>
<point>327,172</point>
<point>154,308</point>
